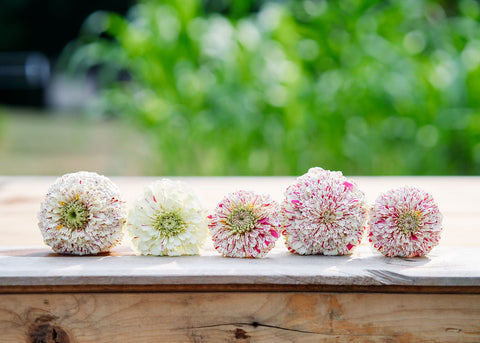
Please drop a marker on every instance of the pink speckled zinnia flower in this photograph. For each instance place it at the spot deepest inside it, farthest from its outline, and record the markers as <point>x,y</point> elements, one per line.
<point>323,213</point>
<point>245,224</point>
<point>83,214</point>
<point>405,222</point>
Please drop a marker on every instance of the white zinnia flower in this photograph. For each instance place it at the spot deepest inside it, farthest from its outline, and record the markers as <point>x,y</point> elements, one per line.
<point>82,214</point>
<point>168,220</point>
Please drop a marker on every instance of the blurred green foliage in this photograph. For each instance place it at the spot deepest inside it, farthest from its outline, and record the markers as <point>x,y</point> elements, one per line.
<point>363,86</point>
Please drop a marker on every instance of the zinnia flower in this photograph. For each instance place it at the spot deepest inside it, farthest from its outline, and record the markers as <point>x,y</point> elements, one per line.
<point>245,224</point>
<point>324,213</point>
<point>405,222</point>
<point>82,214</point>
<point>167,220</point>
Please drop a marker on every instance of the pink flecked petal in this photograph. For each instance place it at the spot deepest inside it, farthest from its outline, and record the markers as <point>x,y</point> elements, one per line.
<point>348,185</point>
<point>263,221</point>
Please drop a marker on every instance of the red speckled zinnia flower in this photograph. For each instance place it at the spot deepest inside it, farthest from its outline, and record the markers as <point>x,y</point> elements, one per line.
<point>323,213</point>
<point>245,224</point>
<point>405,222</point>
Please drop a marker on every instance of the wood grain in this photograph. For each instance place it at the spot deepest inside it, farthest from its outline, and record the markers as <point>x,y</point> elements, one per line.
<point>249,317</point>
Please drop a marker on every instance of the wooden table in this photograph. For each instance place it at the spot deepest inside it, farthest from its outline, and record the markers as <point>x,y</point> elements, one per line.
<point>120,297</point>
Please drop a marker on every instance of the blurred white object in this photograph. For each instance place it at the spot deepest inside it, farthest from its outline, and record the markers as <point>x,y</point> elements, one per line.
<point>24,70</point>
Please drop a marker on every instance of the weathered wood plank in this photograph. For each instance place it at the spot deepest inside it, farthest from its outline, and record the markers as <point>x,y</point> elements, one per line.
<point>444,267</point>
<point>251,317</point>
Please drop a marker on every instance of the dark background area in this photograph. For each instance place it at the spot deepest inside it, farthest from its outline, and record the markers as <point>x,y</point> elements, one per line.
<point>41,26</point>
<point>47,26</point>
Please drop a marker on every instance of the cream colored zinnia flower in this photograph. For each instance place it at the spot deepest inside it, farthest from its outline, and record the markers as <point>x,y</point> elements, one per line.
<point>167,220</point>
<point>82,214</point>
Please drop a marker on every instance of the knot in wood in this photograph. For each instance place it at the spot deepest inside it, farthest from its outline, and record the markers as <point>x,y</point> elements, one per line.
<point>241,334</point>
<point>44,332</point>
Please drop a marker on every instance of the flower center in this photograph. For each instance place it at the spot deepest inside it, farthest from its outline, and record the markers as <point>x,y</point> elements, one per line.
<point>75,215</point>
<point>242,220</point>
<point>170,224</point>
<point>327,217</point>
<point>409,222</point>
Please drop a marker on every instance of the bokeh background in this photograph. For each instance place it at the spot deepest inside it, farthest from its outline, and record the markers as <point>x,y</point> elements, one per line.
<point>240,87</point>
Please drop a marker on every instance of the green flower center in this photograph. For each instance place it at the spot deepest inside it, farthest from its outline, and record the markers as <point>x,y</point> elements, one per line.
<point>242,220</point>
<point>409,222</point>
<point>169,224</point>
<point>75,215</point>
